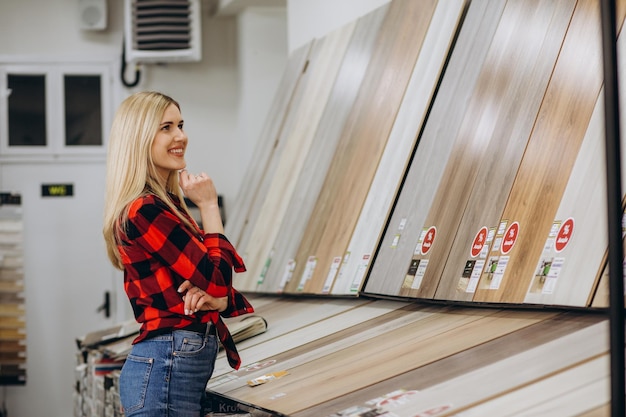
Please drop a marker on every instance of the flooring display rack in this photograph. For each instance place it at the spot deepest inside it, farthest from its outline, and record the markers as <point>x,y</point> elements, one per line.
<point>515,120</point>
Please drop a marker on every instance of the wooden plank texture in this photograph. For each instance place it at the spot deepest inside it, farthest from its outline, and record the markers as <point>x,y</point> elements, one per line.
<point>459,364</point>
<point>365,133</point>
<point>518,372</point>
<point>396,351</point>
<point>298,140</point>
<point>395,157</point>
<point>423,177</point>
<point>522,73</point>
<point>547,163</point>
<point>264,147</point>
<point>318,158</point>
<point>515,70</point>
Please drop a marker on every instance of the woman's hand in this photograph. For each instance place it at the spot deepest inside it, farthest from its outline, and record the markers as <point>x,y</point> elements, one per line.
<point>201,190</point>
<point>198,300</point>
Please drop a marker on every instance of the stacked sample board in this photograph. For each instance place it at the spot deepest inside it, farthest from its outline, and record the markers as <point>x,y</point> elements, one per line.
<point>12,303</point>
<point>326,356</point>
<point>437,150</point>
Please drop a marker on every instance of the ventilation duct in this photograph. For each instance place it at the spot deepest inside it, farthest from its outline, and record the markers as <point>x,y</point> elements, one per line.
<point>162,31</point>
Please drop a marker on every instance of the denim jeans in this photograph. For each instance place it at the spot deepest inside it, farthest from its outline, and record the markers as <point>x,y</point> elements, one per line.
<point>167,375</point>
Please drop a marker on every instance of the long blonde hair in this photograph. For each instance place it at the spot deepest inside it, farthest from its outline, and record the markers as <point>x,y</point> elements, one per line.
<point>130,170</point>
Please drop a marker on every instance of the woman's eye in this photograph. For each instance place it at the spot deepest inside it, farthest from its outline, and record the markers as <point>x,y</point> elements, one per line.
<point>180,126</point>
<point>165,127</point>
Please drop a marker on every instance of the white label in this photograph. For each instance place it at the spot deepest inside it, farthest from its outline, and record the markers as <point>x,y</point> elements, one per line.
<point>308,272</point>
<point>419,274</point>
<point>332,273</point>
<point>475,276</point>
<point>499,273</point>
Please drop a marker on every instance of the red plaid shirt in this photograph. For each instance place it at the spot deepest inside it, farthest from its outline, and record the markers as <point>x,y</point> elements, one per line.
<point>159,252</point>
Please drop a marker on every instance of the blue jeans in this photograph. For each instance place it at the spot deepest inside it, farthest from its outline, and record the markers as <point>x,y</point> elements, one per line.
<point>167,375</point>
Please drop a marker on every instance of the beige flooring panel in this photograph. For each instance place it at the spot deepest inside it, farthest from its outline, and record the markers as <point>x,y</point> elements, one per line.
<point>534,32</point>
<point>348,277</point>
<point>389,266</point>
<point>572,391</point>
<point>319,157</point>
<point>547,164</point>
<point>322,338</point>
<point>528,370</point>
<point>366,132</point>
<point>456,365</point>
<point>264,147</point>
<point>430,339</point>
<point>511,85</point>
<point>313,65</point>
<point>574,249</point>
<point>298,140</point>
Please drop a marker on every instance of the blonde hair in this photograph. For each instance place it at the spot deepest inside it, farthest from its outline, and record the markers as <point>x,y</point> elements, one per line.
<point>130,170</point>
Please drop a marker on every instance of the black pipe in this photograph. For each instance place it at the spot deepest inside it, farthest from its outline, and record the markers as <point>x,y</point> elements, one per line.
<point>614,201</point>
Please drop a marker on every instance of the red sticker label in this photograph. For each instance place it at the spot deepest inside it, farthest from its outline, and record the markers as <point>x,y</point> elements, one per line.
<point>509,238</point>
<point>479,242</point>
<point>564,235</point>
<point>397,399</point>
<point>429,238</point>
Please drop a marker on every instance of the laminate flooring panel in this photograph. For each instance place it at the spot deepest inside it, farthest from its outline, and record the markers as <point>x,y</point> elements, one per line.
<point>523,72</point>
<point>297,144</point>
<point>309,178</point>
<point>395,352</point>
<point>287,316</point>
<point>319,157</point>
<point>567,393</point>
<point>458,364</point>
<point>387,270</point>
<point>314,65</point>
<point>366,132</point>
<point>545,168</point>
<point>264,147</point>
<point>496,126</point>
<point>575,247</point>
<point>403,138</point>
<point>511,375</point>
<point>323,338</point>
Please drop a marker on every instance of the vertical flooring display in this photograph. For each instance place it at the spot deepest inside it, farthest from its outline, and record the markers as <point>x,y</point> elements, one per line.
<point>522,381</point>
<point>389,354</point>
<point>264,148</point>
<point>575,247</point>
<point>518,69</point>
<point>402,139</point>
<point>308,181</point>
<point>363,139</point>
<point>547,163</point>
<point>424,174</point>
<point>452,367</point>
<point>311,69</point>
<point>298,139</point>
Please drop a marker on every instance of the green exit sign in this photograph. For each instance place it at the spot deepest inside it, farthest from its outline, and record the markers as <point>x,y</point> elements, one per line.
<point>57,190</point>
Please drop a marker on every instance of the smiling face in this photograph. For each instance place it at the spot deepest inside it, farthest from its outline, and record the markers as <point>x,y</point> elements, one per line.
<point>170,142</point>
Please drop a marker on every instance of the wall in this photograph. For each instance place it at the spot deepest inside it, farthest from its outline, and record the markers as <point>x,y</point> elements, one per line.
<point>308,19</point>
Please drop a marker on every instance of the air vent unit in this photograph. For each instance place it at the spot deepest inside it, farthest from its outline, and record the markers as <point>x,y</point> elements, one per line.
<point>162,30</point>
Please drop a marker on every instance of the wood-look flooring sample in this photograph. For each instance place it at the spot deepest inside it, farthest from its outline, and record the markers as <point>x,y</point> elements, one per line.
<point>366,132</point>
<point>454,366</point>
<point>550,155</point>
<point>264,148</point>
<point>423,177</point>
<point>347,279</point>
<point>490,385</point>
<point>391,353</point>
<point>317,160</point>
<point>298,140</point>
<point>519,73</point>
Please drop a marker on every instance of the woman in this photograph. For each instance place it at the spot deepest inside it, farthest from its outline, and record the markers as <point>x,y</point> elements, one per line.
<point>178,277</point>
